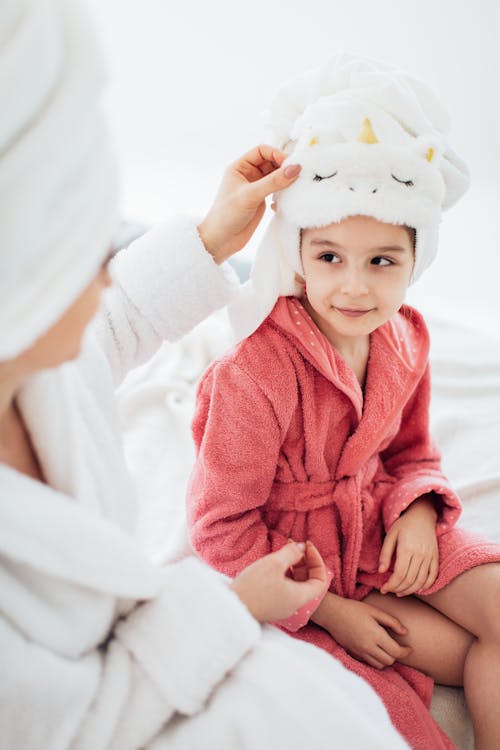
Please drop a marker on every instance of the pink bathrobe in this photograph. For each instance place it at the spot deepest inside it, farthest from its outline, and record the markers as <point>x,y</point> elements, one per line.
<point>289,446</point>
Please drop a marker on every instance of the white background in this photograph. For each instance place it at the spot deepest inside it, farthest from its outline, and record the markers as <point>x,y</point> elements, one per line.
<point>190,79</point>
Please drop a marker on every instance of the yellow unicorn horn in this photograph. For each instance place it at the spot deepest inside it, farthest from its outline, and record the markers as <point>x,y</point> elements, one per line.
<point>366,134</point>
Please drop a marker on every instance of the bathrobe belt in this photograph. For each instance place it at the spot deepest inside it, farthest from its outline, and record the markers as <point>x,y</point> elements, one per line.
<point>307,495</point>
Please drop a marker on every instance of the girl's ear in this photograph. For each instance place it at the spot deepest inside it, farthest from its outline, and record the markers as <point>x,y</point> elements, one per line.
<point>429,149</point>
<point>300,281</point>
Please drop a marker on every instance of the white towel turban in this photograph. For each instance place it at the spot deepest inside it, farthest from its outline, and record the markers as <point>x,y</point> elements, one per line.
<point>57,175</point>
<point>372,141</point>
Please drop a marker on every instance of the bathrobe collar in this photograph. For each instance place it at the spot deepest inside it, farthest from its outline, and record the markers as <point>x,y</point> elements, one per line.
<point>398,356</point>
<point>79,526</point>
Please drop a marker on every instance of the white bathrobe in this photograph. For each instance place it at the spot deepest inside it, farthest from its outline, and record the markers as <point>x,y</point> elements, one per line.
<point>98,647</point>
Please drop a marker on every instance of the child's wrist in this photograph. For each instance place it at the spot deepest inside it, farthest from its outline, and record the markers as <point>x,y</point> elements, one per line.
<point>326,611</point>
<point>428,502</point>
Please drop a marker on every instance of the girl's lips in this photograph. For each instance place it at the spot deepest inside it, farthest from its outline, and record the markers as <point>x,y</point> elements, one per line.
<point>352,313</point>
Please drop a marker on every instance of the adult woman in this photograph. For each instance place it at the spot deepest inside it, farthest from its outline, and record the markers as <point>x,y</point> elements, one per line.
<point>100,649</point>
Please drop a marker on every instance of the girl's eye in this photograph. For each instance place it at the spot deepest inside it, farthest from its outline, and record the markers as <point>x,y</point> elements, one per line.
<point>329,257</point>
<point>379,261</point>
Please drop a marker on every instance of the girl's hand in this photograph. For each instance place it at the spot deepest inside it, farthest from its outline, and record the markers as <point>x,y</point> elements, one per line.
<point>269,593</point>
<point>362,630</point>
<point>241,200</point>
<point>413,538</point>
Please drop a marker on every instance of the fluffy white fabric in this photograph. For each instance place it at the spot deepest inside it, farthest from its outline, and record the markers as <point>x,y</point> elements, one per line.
<point>371,140</point>
<point>100,649</point>
<point>57,174</point>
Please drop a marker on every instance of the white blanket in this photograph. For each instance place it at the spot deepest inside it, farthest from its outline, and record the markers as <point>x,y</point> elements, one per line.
<point>157,402</point>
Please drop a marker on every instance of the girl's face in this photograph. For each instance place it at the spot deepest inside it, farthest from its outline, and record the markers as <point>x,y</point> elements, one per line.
<point>356,273</point>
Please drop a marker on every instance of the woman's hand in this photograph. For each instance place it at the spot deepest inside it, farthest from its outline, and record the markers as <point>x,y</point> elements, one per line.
<point>241,200</point>
<point>413,538</point>
<point>269,593</point>
<point>363,630</point>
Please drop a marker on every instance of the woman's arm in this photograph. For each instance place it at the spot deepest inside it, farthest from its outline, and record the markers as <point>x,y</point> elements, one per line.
<point>165,283</point>
<point>166,656</point>
<point>172,278</point>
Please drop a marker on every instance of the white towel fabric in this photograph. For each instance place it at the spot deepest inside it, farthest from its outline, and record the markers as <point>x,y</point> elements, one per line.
<point>371,140</point>
<point>57,174</point>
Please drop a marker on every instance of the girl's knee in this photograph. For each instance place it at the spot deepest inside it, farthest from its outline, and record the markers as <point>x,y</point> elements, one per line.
<point>489,622</point>
<point>481,601</point>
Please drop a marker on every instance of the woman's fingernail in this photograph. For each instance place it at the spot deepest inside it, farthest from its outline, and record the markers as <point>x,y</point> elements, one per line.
<point>301,546</point>
<point>292,170</point>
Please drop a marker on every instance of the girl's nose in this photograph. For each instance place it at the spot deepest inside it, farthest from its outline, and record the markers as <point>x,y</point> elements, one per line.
<point>353,283</point>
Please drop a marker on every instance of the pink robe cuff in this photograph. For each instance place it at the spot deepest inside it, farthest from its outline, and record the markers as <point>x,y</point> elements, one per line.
<point>410,488</point>
<point>301,616</point>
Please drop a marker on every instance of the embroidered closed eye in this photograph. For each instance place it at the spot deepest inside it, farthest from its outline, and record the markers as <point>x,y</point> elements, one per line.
<point>318,177</point>
<point>408,183</point>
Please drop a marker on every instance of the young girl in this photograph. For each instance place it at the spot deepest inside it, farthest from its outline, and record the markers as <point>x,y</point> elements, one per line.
<point>316,425</point>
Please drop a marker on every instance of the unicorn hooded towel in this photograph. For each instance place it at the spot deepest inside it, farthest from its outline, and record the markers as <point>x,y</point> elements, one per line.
<point>288,443</point>
<point>371,140</point>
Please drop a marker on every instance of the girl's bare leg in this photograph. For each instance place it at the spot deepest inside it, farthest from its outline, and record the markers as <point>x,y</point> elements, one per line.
<point>473,601</point>
<point>439,645</point>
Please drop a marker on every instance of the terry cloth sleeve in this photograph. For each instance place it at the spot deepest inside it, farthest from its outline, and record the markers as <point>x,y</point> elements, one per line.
<point>165,283</point>
<point>166,657</point>
<point>414,460</point>
<point>238,439</point>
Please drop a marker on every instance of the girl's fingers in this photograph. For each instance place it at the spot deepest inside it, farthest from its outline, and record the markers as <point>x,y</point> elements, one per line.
<point>411,574</point>
<point>400,570</point>
<point>389,621</point>
<point>433,573</point>
<point>387,552</point>
<point>419,581</point>
<point>382,656</point>
<point>392,647</point>
<point>374,662</point>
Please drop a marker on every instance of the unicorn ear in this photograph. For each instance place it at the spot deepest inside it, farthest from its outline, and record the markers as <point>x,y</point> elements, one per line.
<point>429,149</point>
